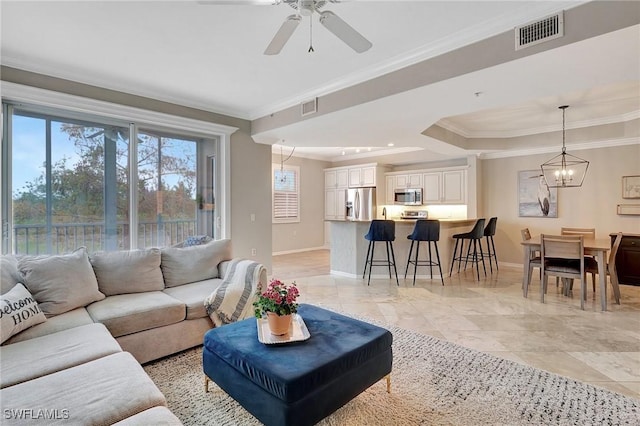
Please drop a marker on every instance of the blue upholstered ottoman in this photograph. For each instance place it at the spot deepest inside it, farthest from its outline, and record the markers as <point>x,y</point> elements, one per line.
<point>298,383</point>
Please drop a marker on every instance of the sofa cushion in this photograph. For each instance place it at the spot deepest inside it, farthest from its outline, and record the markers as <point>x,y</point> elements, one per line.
<point>100,392</point>
<point>196,263</point>
<point>60,283</point>
<point>18,311</point>
<point>157,416</point>
<point>129,313</point>
<point>54,352</point>
<point>9,275</point>
<point>128,271</point>
<point>193,295</point>
<point>75,318</point>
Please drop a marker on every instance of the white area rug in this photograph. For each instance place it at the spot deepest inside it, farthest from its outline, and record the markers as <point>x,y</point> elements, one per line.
<point>434,382</point>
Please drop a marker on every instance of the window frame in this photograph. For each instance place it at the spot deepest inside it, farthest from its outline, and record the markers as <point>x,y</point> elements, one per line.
<point>71,106</point>
<point>296,170</point>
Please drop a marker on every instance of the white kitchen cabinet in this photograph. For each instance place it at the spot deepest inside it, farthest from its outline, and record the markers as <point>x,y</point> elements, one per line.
<point>334,204</point>
<point>336,178</point>
<point>446,187</point>
<point>453,187</point>
<point>432,188</point>
<point>362,176</point>
<point>390,187</point>
<point>413,180</point>
<point>336,182</point>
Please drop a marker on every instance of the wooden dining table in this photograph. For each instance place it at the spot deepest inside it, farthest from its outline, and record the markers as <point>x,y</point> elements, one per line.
<point>597,247</point>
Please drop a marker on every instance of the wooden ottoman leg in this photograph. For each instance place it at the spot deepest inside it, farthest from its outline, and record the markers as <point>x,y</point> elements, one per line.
<point>388,377</point>
<point>206,383</point>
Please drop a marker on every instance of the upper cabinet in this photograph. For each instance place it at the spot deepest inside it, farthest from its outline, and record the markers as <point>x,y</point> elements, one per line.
<point>338,178</point>
<point>362,176</point>
<point>445,187</point>
<point>413,180</point>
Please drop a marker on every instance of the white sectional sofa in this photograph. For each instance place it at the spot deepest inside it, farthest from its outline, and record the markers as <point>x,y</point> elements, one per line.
<point>76,327</point>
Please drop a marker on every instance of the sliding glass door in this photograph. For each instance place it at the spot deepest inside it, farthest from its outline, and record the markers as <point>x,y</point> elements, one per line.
<point>69,184</point>
<point>66,183</point>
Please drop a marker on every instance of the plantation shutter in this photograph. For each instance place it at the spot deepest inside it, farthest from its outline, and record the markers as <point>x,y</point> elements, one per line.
<point>286,194</point>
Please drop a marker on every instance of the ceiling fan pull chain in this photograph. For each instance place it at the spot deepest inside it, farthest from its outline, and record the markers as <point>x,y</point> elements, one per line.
<point>310,35</point>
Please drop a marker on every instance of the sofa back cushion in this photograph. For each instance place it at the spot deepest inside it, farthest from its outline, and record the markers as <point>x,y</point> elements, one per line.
<point>191,264</point>
<point>18,311</point>
<point>9,275</point>
<point>60,283</point>
<point>128,271</point>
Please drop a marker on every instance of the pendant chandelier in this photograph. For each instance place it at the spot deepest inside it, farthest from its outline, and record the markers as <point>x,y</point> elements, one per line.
<point>564,170</point>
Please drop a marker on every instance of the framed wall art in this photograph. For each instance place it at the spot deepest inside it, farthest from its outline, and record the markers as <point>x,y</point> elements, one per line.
<point>630,186</point>
<point>535,198</point>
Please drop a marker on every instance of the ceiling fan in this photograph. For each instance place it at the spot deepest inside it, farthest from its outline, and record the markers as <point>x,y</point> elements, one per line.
<point>330,20</point>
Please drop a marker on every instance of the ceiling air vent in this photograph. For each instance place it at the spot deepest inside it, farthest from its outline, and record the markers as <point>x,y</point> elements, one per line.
<point>539,31</point>
<point>309,107</point>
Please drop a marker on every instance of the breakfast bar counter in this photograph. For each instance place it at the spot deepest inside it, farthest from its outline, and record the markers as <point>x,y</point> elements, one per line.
<point>349,247</point>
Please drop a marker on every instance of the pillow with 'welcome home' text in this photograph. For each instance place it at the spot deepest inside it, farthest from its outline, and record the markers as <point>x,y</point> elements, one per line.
<point>18,311</point>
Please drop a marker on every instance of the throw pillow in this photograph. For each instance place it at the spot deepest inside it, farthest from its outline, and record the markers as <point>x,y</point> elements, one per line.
<point>128,271</point>
<point>60,283</point>
<point>9,275</point>
<point>196,240</point>
<point>191,264</point>
<point>18,311</point>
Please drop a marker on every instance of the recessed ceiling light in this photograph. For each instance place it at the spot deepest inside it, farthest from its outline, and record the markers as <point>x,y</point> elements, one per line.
<point>357,149</point>
<point>369,149</point>
<point>343,153</point>
<point>389,144</point>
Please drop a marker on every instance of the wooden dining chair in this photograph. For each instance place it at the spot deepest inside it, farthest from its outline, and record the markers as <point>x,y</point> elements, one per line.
<point>563,256</point>
<point>586,233</point>
<point>534,259</point>
<point>610,267</point>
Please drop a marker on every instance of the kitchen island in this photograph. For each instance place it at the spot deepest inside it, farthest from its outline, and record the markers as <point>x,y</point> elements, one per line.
<point>349,247</point>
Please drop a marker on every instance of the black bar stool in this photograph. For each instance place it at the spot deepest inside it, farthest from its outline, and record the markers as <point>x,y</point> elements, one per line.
<point>381,230</point>
<point>474,237</point>
<point>489,232</point>
<point>429,231</point>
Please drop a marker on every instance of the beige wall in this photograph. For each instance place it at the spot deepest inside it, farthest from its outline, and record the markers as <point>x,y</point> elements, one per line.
<point>309,232</point>
<point>592,205</point>
<point>250,162</point>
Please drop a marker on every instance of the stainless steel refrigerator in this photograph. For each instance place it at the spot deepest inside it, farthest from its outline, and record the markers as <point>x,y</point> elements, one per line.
<point>360,204</point>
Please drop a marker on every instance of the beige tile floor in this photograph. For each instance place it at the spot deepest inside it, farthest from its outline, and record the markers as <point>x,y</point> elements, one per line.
<point>602,348</point>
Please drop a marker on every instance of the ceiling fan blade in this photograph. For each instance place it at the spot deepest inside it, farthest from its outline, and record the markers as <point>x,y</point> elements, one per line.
<point>283,35</point>
<point>344,31</point>
<point>240,2</point>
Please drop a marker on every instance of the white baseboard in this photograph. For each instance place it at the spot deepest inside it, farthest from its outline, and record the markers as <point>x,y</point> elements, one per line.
<point>277,253</point>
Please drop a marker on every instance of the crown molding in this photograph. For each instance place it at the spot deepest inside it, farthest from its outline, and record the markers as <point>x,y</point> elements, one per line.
<point>608,143</point>
<point>50,99</point>
<point>500,134</point>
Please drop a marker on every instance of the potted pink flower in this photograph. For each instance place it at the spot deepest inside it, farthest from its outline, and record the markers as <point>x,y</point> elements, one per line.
<point>277,302</point>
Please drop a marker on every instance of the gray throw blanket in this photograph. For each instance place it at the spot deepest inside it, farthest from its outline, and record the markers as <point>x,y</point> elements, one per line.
<point>233,299</point>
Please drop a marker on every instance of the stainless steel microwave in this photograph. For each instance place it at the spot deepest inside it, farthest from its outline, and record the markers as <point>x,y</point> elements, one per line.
<point>408,196</point>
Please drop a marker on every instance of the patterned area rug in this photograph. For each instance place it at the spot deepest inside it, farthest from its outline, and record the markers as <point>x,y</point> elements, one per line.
<point>434,382</point>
